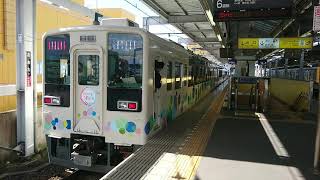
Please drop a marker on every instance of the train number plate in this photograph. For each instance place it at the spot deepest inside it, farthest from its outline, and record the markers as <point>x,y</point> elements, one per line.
<point>82,160</point>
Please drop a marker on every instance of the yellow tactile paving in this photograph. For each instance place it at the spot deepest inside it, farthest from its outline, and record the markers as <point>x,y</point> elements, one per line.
<point>184,163</point>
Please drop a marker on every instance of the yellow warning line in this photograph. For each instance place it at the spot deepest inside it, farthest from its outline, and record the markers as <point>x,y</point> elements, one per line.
<point>215,111</point>
<point>184,163</point>
<point>190,155</point>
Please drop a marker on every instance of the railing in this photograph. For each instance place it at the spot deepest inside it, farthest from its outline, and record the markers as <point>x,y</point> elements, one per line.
<point>309,74</point>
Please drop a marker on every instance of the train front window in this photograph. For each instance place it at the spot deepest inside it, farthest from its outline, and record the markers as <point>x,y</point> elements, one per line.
<point>125,58</point>
<point>57,60</point>
<point>88,70</point>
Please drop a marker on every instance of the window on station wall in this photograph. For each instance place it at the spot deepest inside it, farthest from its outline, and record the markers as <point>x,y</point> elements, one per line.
<point>169,76</point>
<point>178,67</point>
<point>185,75</point>
<point>200,74</point>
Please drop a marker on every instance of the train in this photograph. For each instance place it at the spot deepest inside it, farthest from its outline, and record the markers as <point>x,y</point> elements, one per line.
<point>108,88</point>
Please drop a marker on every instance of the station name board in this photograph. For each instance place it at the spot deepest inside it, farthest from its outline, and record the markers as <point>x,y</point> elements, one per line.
<point>275,43</point>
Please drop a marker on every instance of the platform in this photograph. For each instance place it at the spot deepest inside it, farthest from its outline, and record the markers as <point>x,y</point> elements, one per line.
<point>250,148</point>
<point>174,153</point>
<point>204,144</point>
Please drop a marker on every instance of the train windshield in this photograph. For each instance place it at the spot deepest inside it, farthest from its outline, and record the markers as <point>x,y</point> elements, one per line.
<point>125,58</point>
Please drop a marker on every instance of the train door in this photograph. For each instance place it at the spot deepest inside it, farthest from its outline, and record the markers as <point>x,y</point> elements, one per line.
<point>158,91</point>
<point>88,91</point>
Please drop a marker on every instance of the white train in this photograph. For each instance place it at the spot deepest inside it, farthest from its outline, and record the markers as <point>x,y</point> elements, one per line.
<point>109,88</point>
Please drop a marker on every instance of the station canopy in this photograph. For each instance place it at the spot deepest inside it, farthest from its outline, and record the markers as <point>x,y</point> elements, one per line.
<point>193,18</point>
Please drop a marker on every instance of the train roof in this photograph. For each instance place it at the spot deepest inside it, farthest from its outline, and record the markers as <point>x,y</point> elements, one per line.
<point>125,29</point>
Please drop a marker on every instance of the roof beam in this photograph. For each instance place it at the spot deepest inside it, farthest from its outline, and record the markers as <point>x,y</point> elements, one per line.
<point>153,5</point>
<point>187,19</point>
<point>200,30</point>
<point>206,40</point>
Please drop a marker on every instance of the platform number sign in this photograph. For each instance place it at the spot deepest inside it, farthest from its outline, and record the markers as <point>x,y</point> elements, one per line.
<point>219,4</point>
<point>28,69</point>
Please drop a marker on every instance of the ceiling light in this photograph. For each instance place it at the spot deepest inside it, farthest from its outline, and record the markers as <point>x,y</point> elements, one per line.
<point>46,1</point>
<point>62,7</point>
<point>209,14</point>
<point>219,37</point>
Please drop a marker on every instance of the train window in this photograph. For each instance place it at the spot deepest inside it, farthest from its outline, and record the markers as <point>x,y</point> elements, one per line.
<point>190,77</point>
<point>178,67</point>
<point>185,75</point>
<point>88,70</point>
<point>169,76</point>
<point>125,58</point>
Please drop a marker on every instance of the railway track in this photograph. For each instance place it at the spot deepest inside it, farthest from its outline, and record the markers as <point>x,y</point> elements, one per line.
<point>51,172</point>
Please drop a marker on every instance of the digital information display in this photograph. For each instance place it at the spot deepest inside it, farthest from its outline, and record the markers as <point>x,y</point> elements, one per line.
<point>251,9</point>
<point>57,45</point>
<point>275,43</point>
<point>237,5</point>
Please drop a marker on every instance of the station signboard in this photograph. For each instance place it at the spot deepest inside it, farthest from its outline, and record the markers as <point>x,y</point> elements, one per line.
<point>275,43</point>
<point>225,10</point>
<point>248,43</point>
<point>296,43</point>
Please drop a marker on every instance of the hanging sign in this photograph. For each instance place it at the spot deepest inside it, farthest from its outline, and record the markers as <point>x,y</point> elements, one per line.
<point>275,43</point>
<point>296,43</point>
<point>268,43</point>
<point>248,43</point>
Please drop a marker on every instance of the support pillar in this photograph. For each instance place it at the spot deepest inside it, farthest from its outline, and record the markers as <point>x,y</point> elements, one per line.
<point>276,67</point>
<point>286,68</point>
<point>269,66</point>
<point>26,86</point>
<point>316,163</point>
<point>301,70</point>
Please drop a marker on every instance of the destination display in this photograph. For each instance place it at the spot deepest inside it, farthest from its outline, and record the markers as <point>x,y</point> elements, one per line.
<point>275,43</point>
<point>225,10</point>
<point>237,5</point>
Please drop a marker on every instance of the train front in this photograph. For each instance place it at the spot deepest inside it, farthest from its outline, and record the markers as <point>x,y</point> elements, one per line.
<point>96,89</point>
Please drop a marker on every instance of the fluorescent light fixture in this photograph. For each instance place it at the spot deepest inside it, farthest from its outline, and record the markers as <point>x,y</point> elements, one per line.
<point>219,37</point>
<point>62,7</point>
<point>46,1</point>
<point>209,14</point>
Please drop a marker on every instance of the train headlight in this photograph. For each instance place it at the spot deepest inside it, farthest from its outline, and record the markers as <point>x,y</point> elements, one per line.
<point>51,100</point>
<point>122,105</point>
<point>56,101</point>
<point>127,105</point>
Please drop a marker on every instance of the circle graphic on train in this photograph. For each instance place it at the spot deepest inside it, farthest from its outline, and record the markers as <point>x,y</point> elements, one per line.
<point>88,96</point>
